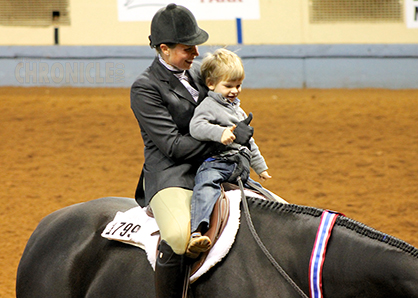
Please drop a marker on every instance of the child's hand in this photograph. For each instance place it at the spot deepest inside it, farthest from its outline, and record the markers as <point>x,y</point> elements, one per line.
<point>228,135</point>
<point>264,176</point>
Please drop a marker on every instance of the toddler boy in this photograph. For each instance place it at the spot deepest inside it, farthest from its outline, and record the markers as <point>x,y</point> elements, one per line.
<point>215,120</point>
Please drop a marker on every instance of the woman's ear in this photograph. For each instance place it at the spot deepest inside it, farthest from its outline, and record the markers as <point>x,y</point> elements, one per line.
<point>164,49</point>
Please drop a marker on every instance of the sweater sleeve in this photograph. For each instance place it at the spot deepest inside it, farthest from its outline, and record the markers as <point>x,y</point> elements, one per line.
<point>258,163</point>
<point>203,126</point>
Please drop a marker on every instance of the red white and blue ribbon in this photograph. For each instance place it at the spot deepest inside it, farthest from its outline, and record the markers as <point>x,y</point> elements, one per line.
<point>318,253</point>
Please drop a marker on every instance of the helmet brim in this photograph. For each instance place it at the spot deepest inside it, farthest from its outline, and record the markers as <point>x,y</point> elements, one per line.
<point>198,39</point>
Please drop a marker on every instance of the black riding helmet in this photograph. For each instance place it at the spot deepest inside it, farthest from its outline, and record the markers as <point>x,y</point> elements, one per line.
<point>175,24</point>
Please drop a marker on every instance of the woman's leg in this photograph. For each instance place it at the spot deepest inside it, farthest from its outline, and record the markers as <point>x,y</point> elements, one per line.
<point>171,208</point>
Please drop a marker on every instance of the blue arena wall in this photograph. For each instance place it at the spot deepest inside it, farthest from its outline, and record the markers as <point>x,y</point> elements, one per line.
<point>389,66</point>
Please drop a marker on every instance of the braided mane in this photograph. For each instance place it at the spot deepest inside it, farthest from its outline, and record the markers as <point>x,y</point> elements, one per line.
<point>341,221</point>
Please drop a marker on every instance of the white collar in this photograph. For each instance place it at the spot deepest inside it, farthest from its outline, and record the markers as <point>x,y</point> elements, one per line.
<point>170,67</point>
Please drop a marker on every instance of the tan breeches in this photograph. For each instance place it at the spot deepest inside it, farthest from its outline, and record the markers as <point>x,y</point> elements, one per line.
<point>171,208</point>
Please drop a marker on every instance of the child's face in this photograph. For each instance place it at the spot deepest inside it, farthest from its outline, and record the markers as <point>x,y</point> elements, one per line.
<point>229,89</point>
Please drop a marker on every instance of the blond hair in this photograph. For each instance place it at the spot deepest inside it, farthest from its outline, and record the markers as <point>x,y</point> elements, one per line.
<point>222,65</point>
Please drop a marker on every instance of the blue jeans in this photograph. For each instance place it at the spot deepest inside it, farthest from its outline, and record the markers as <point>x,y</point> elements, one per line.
<point>207,189</point>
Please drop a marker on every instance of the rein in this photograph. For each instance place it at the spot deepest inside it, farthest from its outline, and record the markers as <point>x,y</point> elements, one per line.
<point>263,247</point>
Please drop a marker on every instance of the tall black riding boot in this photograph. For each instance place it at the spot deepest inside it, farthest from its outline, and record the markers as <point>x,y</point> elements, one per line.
<point>171,271</point>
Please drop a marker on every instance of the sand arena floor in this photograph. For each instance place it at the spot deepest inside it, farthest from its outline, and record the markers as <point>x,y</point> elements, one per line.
<point>354,151</point>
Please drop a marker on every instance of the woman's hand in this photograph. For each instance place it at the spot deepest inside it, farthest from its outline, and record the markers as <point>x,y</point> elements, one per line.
<point>264,176</point>
<point>228,135</point>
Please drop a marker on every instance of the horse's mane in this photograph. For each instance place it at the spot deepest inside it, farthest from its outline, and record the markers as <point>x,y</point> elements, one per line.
<point>341,221</point>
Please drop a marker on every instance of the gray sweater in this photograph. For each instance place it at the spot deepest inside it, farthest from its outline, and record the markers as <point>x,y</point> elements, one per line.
<point>210,119</point>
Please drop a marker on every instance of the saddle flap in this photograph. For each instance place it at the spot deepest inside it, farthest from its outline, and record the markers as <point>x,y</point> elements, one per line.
<point>217,223</point>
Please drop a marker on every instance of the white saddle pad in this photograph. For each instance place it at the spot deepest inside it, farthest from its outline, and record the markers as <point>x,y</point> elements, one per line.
<point>135,227</point>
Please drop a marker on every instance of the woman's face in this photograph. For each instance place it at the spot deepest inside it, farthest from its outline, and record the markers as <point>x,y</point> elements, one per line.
<point>181,56</point>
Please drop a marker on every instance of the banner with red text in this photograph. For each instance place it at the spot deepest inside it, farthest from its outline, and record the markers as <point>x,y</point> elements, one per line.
<point>144,10</point>
<point>411,13</point>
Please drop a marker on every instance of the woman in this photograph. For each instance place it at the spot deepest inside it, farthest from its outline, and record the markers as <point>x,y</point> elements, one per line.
<point>163,100</point>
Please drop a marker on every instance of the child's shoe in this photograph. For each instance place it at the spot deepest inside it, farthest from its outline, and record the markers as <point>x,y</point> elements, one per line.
<point>197,245</point>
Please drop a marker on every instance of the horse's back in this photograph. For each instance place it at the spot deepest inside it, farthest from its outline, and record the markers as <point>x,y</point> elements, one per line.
<point>66,254</point>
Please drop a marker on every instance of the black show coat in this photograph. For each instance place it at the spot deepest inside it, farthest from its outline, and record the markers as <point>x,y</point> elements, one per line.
<point>163,108</point>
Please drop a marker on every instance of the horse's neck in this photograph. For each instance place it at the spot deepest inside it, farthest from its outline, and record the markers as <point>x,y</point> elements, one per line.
<point>360,258</point>
<point>355,263</point>
<point>287,234</point>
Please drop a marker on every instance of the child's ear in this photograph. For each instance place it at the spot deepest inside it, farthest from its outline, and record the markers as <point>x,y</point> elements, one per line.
<point>210,85</point>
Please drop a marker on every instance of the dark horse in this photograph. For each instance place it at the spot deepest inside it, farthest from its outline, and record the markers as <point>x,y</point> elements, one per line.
<point>67,257</point>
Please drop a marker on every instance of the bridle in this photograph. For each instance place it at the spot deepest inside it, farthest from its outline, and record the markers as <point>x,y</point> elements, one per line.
<point>261,244</point>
